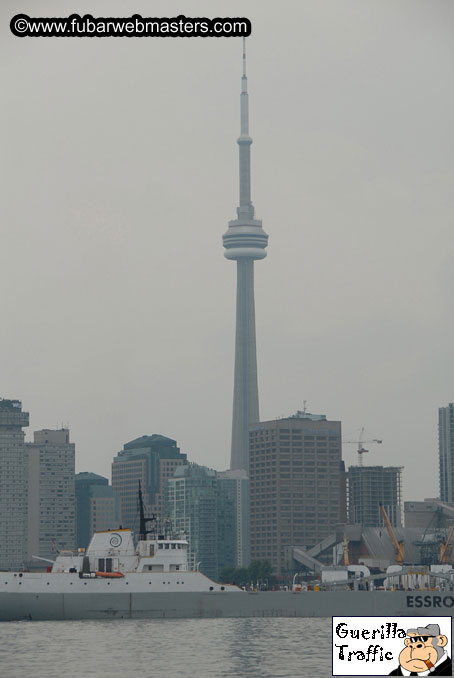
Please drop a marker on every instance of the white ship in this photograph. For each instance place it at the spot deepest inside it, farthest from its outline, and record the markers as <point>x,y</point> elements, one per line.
<point>119,578</point>
<point>116,578</point>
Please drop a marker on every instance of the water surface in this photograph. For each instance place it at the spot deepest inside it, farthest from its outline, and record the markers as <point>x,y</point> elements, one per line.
<point>199,648</point>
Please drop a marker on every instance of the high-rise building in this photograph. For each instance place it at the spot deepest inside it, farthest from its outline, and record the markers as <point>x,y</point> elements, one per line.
<point>191,506</point>
<point>13,485</point>
<point>203,506</point>
<point>97,506</point>
<point>446,451</point>
<point>150,461</point>
<point>244,242</point>
<point>51,494</point>
<point>235,484</point>
<point>370,486</point>
<point>296,475</point>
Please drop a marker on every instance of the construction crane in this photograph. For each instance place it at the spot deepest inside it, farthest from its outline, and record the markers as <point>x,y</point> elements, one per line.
<point>398,546</point>
<point>360,442</point>
<point>447,546</point>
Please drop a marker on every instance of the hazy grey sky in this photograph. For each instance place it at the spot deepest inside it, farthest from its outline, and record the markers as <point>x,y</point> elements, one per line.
<point>119,176</point>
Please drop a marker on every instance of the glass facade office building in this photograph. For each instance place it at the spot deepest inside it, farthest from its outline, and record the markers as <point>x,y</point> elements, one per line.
<point>202,505</point>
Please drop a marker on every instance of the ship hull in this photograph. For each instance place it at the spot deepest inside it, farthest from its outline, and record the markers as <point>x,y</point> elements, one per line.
<point>15,606</point>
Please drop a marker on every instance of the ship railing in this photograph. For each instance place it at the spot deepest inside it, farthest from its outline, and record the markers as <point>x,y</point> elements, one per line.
<point>361,583</point>
<point>445,578</point>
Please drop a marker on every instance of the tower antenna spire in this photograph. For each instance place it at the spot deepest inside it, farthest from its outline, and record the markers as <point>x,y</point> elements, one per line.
<point>245,169</point>
<point>244,57</point>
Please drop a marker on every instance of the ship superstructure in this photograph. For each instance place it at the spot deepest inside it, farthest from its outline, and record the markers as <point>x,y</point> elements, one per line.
<point>114,553</point>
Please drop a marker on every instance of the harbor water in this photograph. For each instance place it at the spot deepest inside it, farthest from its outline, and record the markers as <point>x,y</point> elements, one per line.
<point>198,648</point>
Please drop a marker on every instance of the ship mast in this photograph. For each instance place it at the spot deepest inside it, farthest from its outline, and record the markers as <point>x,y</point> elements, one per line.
<point>143,520</point>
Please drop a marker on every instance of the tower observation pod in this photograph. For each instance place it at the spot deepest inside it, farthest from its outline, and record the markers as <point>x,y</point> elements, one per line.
<point>244,241</point>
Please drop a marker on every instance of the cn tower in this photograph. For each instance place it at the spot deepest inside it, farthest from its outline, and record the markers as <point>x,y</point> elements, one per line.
<point>244,242</point>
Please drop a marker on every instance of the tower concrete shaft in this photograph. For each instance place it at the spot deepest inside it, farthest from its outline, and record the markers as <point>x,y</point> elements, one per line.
<point>245,392</point>
<point>244,241</point>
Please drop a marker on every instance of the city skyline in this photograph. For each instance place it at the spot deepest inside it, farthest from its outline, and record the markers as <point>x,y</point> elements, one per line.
<point>116,190</point>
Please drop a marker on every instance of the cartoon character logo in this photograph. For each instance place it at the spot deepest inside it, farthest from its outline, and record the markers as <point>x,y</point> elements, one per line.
<point>424,653</point>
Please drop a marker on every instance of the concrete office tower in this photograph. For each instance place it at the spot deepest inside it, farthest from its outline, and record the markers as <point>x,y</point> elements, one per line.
<point>150,460</point>
<point>97,506</point>
<point>51,494</point>
<point>13,485</point>
<point>446,451</point>
<point>370,486</point>
<point>295,476</point>
<point>244,241</point>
